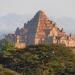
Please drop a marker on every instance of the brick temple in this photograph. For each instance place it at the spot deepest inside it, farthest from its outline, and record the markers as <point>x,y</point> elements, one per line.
<point>39,30</point>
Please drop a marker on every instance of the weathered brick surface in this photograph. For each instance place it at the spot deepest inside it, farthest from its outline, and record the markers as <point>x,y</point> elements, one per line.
<point>40,29</point>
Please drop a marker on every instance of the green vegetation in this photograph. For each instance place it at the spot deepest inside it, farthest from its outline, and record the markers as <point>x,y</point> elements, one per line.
<point>40,60</point>
<point>5,71</point>
<point>6,44</point>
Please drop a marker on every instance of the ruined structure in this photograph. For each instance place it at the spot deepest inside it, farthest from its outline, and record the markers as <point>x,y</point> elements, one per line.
<point>40,29</point>
<point>19,43</point>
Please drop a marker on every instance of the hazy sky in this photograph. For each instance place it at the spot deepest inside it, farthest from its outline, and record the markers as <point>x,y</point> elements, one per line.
<point>52,7</point>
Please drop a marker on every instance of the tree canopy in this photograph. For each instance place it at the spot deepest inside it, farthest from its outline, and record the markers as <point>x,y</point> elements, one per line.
<point>50,59</point>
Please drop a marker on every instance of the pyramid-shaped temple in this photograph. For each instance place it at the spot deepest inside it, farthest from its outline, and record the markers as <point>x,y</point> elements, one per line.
<point>40,29</point>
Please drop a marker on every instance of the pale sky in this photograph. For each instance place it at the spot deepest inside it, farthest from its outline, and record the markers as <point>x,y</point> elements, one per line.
<point>51,7</point>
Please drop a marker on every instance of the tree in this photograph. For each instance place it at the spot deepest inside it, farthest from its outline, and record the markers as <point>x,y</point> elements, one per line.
<point>6,44</point>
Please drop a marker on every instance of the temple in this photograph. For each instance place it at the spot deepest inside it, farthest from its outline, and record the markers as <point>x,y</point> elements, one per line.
<point>40,29</point>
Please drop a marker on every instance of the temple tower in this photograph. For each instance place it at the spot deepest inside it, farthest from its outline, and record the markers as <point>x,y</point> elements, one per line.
<point>43,23</point>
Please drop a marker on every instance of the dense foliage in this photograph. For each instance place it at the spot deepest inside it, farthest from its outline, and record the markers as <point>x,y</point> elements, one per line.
<point>40,60</point>
<point>5,71</point>
<point>6,44</point>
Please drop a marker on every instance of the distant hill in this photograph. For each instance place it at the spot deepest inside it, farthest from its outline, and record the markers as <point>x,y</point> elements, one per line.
<point>10,22</point>
<point>68,23</point>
